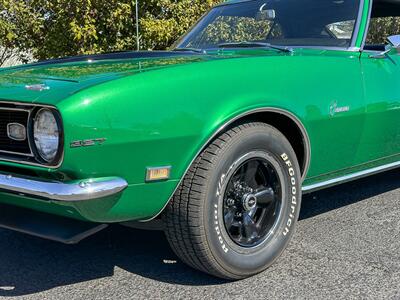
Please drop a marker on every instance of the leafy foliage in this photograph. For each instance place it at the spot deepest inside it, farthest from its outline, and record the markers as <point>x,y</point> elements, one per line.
<point>381,28</point>
<point>18,22</point>
<point>165,21</point>
<point>56,28</point>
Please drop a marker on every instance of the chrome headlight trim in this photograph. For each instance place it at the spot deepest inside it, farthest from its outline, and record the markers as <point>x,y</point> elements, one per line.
<point>31,159</point>
<point>56,160</point>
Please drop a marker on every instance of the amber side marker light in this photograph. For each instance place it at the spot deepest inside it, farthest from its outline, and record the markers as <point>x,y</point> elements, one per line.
<point>157,174</point>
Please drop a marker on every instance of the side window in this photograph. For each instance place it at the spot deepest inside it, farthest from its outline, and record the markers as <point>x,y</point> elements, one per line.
<point>381,28</point>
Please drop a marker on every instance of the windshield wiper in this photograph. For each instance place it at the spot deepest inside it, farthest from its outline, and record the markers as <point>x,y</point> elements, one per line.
<point>190,50</point>
<point>255,45</point>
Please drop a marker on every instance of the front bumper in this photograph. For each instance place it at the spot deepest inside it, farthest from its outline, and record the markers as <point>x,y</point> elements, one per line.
<point>82,190</point>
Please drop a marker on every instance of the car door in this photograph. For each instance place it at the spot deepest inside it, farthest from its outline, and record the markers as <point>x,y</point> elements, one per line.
<point>335,110</point>
<point>381,76</point>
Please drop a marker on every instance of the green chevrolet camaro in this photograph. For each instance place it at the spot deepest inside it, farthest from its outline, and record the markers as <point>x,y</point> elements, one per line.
<point>216,140</point>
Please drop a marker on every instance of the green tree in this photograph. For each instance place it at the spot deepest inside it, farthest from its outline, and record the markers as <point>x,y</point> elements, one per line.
<point>56,28</point>
<point>164,21</point>
<point>18,23</point>
<point>381,28</point>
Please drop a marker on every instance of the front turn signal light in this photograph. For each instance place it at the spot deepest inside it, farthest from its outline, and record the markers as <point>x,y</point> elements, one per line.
<point>157,174</point>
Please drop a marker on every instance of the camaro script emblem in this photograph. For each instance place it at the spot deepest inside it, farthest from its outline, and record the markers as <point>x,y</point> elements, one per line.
<point>37,87</point>
<point>334,109</point>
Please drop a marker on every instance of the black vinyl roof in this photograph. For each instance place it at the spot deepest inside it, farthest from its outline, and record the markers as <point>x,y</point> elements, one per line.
<point>385,8</point>
<point>388,1</point>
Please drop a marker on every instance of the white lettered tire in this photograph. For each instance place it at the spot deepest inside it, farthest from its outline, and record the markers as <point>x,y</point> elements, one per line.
<point>237,207</point>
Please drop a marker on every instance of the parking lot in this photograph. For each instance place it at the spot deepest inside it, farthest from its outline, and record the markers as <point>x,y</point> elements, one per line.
<point>347,246</point>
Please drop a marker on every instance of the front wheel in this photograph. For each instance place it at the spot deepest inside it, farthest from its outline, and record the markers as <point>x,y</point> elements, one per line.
<point>236,209</point>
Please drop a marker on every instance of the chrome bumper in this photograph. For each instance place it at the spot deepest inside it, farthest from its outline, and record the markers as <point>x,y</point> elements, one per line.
<point>58,191</point>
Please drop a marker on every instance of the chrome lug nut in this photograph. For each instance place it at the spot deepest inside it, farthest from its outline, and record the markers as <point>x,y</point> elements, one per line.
<point>230,202</point>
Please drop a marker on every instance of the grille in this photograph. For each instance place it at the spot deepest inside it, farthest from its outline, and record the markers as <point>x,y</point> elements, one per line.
<point>7,145</point>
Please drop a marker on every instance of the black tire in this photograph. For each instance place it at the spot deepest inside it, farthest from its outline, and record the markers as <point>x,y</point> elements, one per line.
<point>199,223</point>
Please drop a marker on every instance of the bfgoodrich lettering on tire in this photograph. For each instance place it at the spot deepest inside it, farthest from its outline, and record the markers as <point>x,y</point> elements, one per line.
<point>237,207</point>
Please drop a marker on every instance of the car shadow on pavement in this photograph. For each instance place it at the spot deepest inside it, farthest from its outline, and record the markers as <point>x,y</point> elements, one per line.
<point>323,201</point>
<point>29,265</point>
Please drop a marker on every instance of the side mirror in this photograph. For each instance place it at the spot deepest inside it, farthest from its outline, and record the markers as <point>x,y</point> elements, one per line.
<point>394,40</point>
<point>265,14</point>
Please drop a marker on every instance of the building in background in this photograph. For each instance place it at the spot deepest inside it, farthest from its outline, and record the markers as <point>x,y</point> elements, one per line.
<point>13,61</point>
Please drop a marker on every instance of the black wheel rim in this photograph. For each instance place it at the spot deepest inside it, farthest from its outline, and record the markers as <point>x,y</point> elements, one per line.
<point>252,202</point>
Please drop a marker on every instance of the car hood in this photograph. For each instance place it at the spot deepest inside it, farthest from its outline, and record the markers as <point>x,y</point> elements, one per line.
<point>51,81</point>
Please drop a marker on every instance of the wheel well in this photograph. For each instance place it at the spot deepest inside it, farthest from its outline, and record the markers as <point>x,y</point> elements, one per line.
<point>289,128</point>
<point>288,125</point>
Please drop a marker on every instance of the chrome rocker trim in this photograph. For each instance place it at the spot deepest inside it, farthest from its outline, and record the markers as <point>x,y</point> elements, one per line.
<point>347,178</point>
<point>83,190</point>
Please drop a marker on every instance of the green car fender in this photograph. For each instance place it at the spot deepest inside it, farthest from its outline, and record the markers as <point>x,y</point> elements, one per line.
<point>160,118</point>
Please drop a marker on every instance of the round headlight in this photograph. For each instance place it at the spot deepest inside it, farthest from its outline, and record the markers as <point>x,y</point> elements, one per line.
<point>46,134</point>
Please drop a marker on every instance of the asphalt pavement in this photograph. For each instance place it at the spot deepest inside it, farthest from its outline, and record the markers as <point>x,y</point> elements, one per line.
<point>347,246</point>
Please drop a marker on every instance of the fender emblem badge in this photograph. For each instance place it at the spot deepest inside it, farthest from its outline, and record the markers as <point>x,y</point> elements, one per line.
<point>87,143</point>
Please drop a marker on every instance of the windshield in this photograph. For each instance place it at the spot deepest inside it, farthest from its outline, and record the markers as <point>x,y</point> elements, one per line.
<point>328,23</point>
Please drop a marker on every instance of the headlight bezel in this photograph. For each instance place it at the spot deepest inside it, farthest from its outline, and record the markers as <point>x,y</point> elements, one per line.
<point>57,160</point>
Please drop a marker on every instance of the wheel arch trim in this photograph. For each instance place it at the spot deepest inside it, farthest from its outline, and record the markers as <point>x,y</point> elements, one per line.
<point>286,113</point>
<point>242,115</point>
